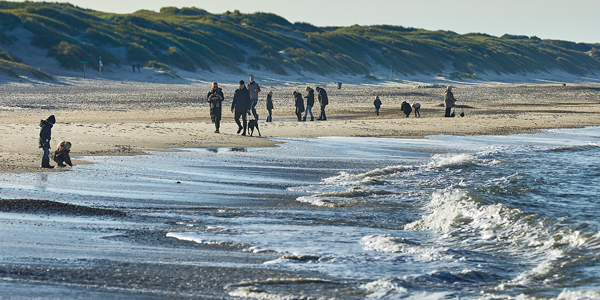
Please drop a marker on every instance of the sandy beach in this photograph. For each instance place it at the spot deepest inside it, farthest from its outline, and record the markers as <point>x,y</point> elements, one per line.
<point>128,118</point>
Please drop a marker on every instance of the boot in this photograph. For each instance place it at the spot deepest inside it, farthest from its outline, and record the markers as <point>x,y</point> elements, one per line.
<point>46,163</point>
<point>304,119</point>
<point>312,118</point>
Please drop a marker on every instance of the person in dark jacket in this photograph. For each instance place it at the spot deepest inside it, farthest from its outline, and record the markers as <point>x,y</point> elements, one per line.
<point>270,106</point>
<point>449,101</point>
<point>45,137</point>
<point>215,98</point>
<point>62,154</point>
<point>240,106</point>
<point>323,101</point>
<point>406,108</point>
<point>377,104</point>
<point>299,105</point>
<point>310,102</point>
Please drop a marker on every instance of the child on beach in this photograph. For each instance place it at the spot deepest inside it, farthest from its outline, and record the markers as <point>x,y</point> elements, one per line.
<point>417,108</point>
<point>62,154</point>
<point>377,104</point>
<point>45,137</point>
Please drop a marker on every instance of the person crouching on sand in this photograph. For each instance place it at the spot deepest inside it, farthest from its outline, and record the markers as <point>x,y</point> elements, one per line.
<point>62,154</point>
<point>45,137</point>
<point>417,108</point>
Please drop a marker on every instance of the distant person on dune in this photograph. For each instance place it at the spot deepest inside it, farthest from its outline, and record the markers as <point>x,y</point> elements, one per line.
<point>449,102</point>
<point>377,104</point>
<point>240,106</point>
<point>310,102</point>
<point>215,98</point>
<point>323,101</point>
<point>417,108</point>
<point>270,106</point>
<point>45,137</point>
<point>253,89</point>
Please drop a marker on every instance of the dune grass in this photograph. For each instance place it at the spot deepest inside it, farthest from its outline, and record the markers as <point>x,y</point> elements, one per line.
<point>192,39</point>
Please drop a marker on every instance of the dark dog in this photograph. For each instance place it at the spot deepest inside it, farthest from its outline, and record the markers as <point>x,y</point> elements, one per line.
<point>251,125</point>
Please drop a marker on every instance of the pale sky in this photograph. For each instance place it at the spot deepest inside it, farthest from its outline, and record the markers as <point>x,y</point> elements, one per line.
<point>572,20</point>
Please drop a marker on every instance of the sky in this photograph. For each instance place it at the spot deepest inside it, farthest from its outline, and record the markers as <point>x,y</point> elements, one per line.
<point>571,20</point>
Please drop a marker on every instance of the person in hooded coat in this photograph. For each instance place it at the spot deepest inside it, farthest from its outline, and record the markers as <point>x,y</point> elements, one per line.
<point>270,106</point>
<point>377,104</point>
<point>405,107</point>
<point>45,137</point>
<point>299,105</point>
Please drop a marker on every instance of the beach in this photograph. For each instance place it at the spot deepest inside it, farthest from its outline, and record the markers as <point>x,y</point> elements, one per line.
<point>127,118</point>
<point>358,206</point>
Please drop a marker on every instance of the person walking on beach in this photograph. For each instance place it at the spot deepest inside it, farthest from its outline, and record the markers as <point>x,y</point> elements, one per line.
<point>253,89</point>
<point>61,155</point>
<point>323,101</point>
<point>417,108</point>
<point>299,105</point>
<point>133,66</point>
<point>138,67</point>
<point>45,137</point>
<point>449,101</point>
<point>240,106</point>
<point>215,98</point>
<point>310,102</point>
<point>270,106</point>
<point>377,104</point>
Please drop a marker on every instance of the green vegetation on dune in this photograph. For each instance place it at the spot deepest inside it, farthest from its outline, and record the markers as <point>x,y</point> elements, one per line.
<point>192,39</point>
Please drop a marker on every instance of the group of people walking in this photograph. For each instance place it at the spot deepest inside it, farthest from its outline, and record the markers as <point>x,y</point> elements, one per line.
<point>245,100</point>
<point>310,102</point>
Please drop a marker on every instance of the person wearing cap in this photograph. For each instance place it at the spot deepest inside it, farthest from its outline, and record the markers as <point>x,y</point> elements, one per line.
<point>45,137</point>
<point>323,101</point>
<point>449,101</point>
<point>215,98</point>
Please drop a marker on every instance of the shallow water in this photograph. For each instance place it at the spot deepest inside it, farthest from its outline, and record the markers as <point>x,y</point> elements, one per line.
<point>438,218</point>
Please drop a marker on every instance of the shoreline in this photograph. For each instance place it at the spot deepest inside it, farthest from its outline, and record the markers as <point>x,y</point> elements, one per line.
<point>133,119</point>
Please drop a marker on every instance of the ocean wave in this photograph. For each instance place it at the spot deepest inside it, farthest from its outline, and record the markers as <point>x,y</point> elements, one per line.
<point>548,246</point>
<point>451,160</point>
<point>586,147</point>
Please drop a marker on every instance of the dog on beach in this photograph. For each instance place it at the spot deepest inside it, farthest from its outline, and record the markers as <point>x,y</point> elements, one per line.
<point>251,125</point>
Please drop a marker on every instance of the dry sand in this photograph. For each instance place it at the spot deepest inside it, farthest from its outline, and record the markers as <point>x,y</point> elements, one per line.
<point>129,118</point>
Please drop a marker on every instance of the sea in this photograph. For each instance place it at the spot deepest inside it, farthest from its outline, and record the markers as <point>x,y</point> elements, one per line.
<point>443,217</point>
